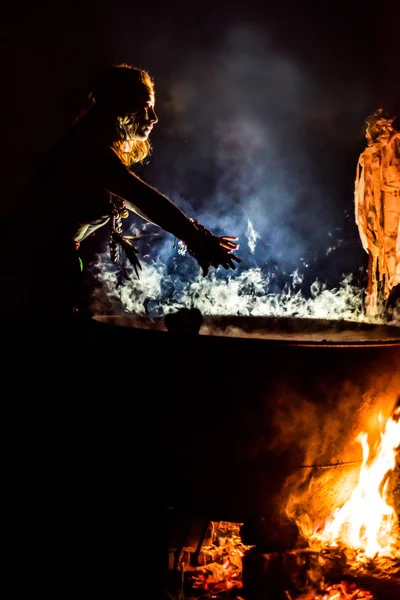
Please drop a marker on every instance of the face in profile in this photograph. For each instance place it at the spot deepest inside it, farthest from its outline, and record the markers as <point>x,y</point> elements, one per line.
<point>138,125</point>
<point>146,118</point>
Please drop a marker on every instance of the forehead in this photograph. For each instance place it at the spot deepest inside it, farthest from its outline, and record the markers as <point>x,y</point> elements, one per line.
<point>151,99</point>
<point>146,95</point>
<point>138,99</point>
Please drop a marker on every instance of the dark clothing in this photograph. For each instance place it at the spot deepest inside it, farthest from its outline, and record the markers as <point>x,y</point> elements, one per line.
<point>67,200</point>
<point>81,512</point>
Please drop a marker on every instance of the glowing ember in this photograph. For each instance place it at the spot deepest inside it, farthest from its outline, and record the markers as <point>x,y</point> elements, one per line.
<point>340,591</point>
<point>367,521</point>
<point>359,543</point>
<point>222,568</point>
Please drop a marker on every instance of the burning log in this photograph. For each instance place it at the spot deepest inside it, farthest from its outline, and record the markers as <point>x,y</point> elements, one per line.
<point>217,568</point>
<point>304,574</point>
<point>356,553</point>
<point>289,408</point>
<point>367,521</point>
<point>336,592</point>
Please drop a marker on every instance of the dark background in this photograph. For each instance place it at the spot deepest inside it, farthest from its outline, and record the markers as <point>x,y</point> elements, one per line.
<point>261,109</point>
<point>261,113</point>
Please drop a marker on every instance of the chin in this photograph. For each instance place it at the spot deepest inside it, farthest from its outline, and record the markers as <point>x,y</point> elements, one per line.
<point>145,132</point>
<point>140,137</point>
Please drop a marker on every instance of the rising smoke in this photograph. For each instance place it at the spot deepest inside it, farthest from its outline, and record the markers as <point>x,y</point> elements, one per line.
<point>249,144</point>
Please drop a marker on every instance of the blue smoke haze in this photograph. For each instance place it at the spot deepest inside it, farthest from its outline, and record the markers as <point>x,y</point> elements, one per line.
<point>246,133</point>
<point>258,124</point>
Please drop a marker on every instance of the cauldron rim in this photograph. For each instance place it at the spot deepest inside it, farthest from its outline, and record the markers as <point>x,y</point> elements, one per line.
<point>292,331</point>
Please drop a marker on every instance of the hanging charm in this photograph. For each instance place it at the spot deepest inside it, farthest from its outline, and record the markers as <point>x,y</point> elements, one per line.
<point>116,230</point>
<point>117,240</point>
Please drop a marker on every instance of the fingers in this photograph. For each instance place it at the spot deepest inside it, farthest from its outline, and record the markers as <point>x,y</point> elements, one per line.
<point>218,253</point>
<point>229,246</point>
<point>228,266</point>
<point>226,261</point>
<point>227,242</point>
<point>231,265</point>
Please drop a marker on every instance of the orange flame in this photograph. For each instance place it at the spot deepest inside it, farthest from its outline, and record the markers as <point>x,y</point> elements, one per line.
<point>367,521</point>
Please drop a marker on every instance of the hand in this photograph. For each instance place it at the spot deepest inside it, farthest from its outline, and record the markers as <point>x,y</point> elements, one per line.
<point>212,251</point>
<point>225,259</point>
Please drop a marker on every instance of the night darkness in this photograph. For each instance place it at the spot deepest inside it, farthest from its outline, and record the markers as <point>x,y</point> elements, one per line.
<point>261,110</point>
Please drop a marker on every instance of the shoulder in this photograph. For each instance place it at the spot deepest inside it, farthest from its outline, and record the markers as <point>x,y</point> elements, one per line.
<point>109,163</point>
<point>395,139</point>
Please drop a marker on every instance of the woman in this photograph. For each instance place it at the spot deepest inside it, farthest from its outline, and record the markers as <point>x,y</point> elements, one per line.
<point>88,183</point>
<point>68,478</point>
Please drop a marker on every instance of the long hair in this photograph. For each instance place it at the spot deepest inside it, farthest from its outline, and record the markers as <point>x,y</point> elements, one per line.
<point>119,92</point>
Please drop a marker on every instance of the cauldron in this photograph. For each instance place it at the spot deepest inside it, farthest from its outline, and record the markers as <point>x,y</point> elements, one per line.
<point>251,412</point>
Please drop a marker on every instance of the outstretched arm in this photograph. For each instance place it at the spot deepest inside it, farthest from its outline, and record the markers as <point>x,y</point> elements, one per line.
<point>149,203</point>
<point>146,201</point>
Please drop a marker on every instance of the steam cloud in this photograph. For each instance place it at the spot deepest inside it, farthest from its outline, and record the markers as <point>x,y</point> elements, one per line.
<point>251,140</point>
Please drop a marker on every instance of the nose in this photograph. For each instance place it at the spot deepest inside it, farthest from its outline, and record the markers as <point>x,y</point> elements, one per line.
<point>152,116</point>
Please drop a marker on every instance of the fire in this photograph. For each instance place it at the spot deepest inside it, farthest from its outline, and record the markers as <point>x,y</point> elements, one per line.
<point>222,568</point>
<point>340,591</point>
<point>366,521</point>
<point>356,551</point>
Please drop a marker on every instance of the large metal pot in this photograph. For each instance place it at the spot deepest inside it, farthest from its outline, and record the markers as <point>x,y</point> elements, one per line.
<point>232,422</point>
